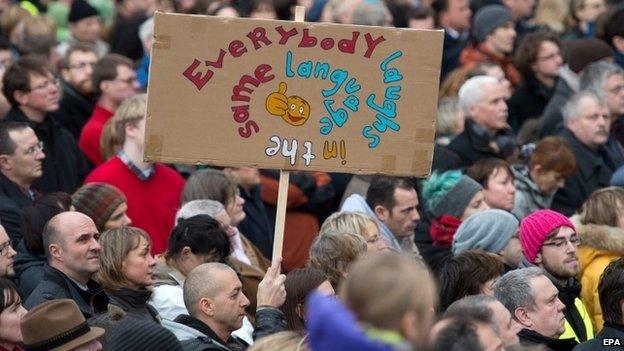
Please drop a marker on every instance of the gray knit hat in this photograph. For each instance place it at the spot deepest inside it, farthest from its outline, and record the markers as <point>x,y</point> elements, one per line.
<point>490,231</point>
<point>487,19</point>
<point>457,199</point>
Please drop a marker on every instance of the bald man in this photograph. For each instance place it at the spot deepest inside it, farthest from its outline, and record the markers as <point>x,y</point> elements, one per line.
<point>70,240</point>
<point>216,304</point>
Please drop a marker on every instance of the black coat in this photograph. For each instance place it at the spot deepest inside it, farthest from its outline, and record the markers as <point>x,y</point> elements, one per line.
<point>614,332</point>
<point>64,167</point>
<point>12,200</point>
<point>435,256</point>
<point>530,338</point>
<point>256,226</point>
<point>551,120</point>
<point>209,341</point>
<point>594,171</point>
<point>74,110</point>
<point>472,145</point>
<point>125,39</point>
<point>528,102</point>
<point>56,285</point>
<point>29,269</point>
<point>450,53</point>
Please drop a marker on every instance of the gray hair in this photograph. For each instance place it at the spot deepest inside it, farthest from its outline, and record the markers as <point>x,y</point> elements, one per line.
<point>146,30</point>
<point>514,289</point>
<point>471,91</point>
<point>571,109</point>
<point>595,75</point>
<point>475,307</point>
<point>199,207</point>
<point>201,282</point>
<point>446,119</point>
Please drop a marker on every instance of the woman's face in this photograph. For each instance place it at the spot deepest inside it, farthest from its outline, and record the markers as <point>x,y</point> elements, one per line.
<point>476,205</point>
<point>326,289</point>
<point>138,267</point>
<point>119,218</point>
<point>486,288</point>
<point>374,241</point>
<point>549,181</point>
<point>234,208</point>
<point>500,190</point>
<point>10,319</point>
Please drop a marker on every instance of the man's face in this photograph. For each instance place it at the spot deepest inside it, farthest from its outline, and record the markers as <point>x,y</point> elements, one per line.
<point>591,126</point>
<point>25,162</point>
<point>501,40</point>
<point>548,60</point>
<point>491,110</point>
<point>614,94</point>
<point>402,218</point>
<point>43,95</point>
<point>125,85</point>
<point>458,15</point>
<point>547,317</point>
<point>87,29</point>
<point>559,255</point>
<point>79,251</point>
<point>7,253</point>
<point>507,328</point>
<point>79,71</point>
<point>229,303</point>
<point>590,10</point>
<point>521,9</point>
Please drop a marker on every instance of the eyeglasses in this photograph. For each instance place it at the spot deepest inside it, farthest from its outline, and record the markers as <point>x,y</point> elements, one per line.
<point>374,239</point>
<point>559,243</point>
<point>549,57</point>
<point>48,83</point>
<point>34,149</point>
<point>5,248</point>
<point>128,81</point>
<point>82,65</point>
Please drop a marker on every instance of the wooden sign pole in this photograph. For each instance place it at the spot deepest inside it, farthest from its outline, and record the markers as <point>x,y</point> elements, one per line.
<point>282,194</point>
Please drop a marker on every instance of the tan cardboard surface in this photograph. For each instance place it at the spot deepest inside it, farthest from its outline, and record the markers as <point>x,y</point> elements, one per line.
<point>295,96</point>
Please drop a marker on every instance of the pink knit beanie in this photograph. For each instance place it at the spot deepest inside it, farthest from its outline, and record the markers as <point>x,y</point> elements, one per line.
<point>534,230</point>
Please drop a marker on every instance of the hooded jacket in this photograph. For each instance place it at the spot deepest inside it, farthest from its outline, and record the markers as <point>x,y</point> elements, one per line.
<point>600,244</point>
<point>529,197</point>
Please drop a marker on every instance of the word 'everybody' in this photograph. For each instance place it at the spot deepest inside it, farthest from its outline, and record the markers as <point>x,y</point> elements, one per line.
<point>259,37</point>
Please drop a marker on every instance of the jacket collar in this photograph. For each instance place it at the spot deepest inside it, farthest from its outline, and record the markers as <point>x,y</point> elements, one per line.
<point>12,191</point>
<point>601,237</point>
<point>164,274</point>
<point>588,160</point>
<point>532,337</point>
<point>203,328</point>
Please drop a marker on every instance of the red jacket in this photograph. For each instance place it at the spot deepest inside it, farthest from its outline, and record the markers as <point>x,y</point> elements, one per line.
<point>89,141</point>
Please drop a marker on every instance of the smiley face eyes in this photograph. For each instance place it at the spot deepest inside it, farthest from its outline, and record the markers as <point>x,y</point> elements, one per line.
<point>292,107</point>
<point>301,109</point>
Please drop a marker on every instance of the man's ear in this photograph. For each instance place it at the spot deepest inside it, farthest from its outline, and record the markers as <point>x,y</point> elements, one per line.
<point>56,251</point>
<point>521,316</point>
<point>206,305</point>
<point>381,212</point>
<point>5,162</point>
<point>21,97</point>
<point>409,326</point>
<point>538,259</point>
<point>618,43</point>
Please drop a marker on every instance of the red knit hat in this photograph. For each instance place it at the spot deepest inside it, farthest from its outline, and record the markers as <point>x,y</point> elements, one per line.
<point>535,228</point>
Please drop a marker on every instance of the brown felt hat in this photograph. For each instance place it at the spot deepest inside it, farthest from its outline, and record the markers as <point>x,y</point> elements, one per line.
<point>56,325</point>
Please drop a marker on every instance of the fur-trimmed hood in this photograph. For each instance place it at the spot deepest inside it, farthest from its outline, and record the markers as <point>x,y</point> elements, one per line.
<point>597,240</point>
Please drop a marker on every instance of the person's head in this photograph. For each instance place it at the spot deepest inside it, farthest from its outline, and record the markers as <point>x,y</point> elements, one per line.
<point>450,119</point>
<point>549,240</point>
<point>532,300</point>
<point>520,10</point>
<point>146,34</point>
<point>482,100</point>
<point>214,294</point>
<point>551,15</point>
<point>453,194</point>
<point>196,240</point>
<point>604,207</point>
<point>7,253</point>
<point>215,185</point>
<point>77,67</point>
<point>105,204</point>
<point>454,14</point>
<point>70,240</point>
<point>29,84</point>
<point>372,13</point>
<point>466,334</point>
<point>581,52</point>
<point>607,79</point>
<point>489,310</point>
<point>493,26</point>
<point>263,9</point>
<point>613,31</point>
<point>406,307</point>
<point>539,56</point>
<point>139,334</point>
<point>126,259</point>
<point>333,252</point>
<point>611,292</point>
<point>36,35</point>
<point>299,284</point>
<point>587,11</point>
<point>36,215</point>
<point>489,68</point>
<point>246,177</point>
<point>356,223</point>
<point>84,22</point>
<point>126,127</point>
<point>21,153</point>
<point>586,115</point>
<point>59,325</point>
<point>11,313</point>
<point>420,17</point>
<point>497,179</point>
<point>284,340</point>
<point>394,201</point>
<point>114,79</point>
<point>550,163</point>
<point>490,231</point>
<point>482,268</point>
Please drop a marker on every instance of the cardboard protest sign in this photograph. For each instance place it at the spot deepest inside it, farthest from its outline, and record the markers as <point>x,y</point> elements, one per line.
<point>290,95</point>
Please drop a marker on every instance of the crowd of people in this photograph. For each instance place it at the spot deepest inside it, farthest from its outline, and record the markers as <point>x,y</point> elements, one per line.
<point>514,242</point>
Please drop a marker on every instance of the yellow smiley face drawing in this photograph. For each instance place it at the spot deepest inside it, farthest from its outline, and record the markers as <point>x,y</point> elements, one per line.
<point>294,110</point>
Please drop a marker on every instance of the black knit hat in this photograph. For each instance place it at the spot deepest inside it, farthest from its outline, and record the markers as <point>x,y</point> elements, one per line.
<point>135,334</point>
<point>80,9</point>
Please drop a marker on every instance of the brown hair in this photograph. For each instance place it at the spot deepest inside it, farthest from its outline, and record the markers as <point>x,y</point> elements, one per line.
<point>130,112</point>
<point>78,47</point>
<point>209,184</point>
<point>11,17</point>
<point>482,170</point>
<point>17,77</point>
<point>452,83</point>
<point>299,283</point>
<point>333,252</point>
<point>553,154</point>
<point>106,69</point>
<point>603,207</point>
<point>116,245</point>
<point>529,48</point>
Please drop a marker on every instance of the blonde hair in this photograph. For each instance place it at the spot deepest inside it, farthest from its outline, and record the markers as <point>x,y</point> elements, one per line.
<point>446,120</point>
<point>347,222</point>
<point>602,207</point>
<point>131,111</point>
<point>283,341</point>
<point>553,14</point>
<point>333,252</point>
<point>116,245</point>
<point>11,17</point>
